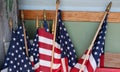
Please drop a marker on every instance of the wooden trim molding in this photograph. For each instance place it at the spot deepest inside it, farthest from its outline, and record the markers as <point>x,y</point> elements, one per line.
<point>72,15</point>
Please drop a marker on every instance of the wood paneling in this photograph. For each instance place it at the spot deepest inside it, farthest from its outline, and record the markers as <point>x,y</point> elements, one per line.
<point>112,60</point>
<point>72,15</point>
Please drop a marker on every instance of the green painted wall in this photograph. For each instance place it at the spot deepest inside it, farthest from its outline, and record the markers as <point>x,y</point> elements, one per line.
<point>82,34</point>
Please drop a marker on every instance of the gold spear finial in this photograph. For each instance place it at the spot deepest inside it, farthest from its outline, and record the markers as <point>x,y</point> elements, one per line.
<point>37,22</point>
<point>10,23</point>
<point>44,15</point>
<point>58,2</point>
<point>22,16</point>
<point>108,7</point>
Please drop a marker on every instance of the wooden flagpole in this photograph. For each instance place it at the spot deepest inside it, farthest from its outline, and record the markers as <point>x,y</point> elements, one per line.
<point>37,22</point>
<point>53,26</point>
<point>25,39</point>
<point>54,37</point>
<point>92,43</point>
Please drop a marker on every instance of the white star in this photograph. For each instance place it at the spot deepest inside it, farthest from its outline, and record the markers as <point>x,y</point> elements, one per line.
<point>18,32</point>
<point>73,64</point>
<point>64,29</point>
<point>20,27</point>
<point>105,32</point>
<point>61,49</point>
<point>5,64</point>
<point>69,39</point>
<point>36,59</point>
<point>20,68</point>
<point>16,51</point>
<point>35,40</point>
<point>66,34</point>
<point>28,70</point>
<point>17,43</point>
<point>97,47</point>
<point>71,45</point>
<point>19,56</point>
<point>100,37</point>
<point>60,28</point>
<point>18,63</point>
<point>20,48</point>
<point>11,62</point>
<point>70,53</point>
<point>8,59</point>
<point>98,42</point>
<point>61,36</point>
<point>10,69</point>
<point>14,66</point>
<point>15,59</point>
<point>95,53</point>
<point>21,40</point>
<point>22,35</point>
<point>65,42</point>
<point>14,39</point>
<point>25,65</point>
<point>68,48</point>
<point>13,46</point>
<point>22,60</point>
<point>72,58</point>
<point>103,43</point>
<point>12,54</point>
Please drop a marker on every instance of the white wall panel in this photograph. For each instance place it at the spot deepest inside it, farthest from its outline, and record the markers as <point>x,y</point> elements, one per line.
<point>72,5</point>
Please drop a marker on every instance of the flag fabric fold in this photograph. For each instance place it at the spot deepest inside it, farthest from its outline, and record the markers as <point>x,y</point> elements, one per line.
<point>46,26</point>
<point>96,57</point>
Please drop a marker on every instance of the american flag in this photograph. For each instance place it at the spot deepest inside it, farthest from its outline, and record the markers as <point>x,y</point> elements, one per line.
<point>34,56</point>
<point>96,57</point>
<point>45,52</point>
<point>64,56</point>
<point>68,52</point>
<point>45,24</point>
<point>16,59</point>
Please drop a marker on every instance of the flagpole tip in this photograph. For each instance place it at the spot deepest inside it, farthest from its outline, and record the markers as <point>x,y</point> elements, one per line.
<point>109,6</point>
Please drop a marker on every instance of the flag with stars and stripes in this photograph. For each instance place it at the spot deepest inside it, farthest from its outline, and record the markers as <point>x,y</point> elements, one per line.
<point>68,53</point>
<point>16,59</point>
<point>46,26</point>
<point>64,53</point>
<point>96,57</point>
<point>34,57</point>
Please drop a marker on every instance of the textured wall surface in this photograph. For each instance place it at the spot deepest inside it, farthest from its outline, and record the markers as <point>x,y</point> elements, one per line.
<point>8,9</point>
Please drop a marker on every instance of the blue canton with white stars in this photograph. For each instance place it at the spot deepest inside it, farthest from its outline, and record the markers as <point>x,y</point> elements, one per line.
<point>35,49</point>
<point>98,48</point>
<point>16,59</point>
<point>67,48</point>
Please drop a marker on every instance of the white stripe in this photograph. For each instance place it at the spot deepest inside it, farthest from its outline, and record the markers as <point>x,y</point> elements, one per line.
<point>48,64</point>
<point>4,70</point>
<point>92,62</point>
<point>49,53</point>
<point>36,66</point>
<point>78,67</point>
<point>69,68</point>
<point>48,41</point>
<point>63,65</point>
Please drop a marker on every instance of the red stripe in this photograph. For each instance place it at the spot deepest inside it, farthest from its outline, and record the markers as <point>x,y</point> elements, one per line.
<point>42,32</point>
<point>89,67</point>
<point>102,60</point>
<point>48,58</point>
<point>48,47</point>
